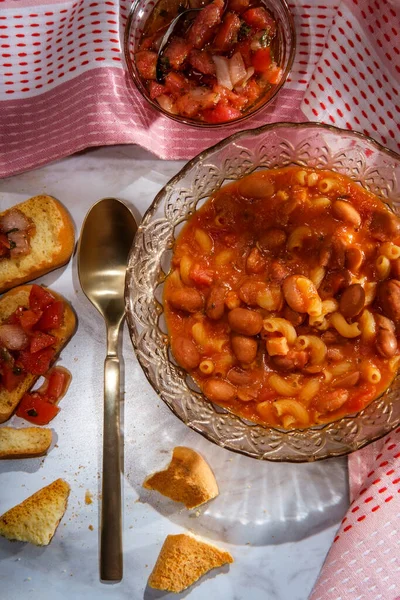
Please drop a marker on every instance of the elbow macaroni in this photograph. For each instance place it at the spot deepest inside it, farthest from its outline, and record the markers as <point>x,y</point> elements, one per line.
<point>276,324</point>
<point>343,327</point>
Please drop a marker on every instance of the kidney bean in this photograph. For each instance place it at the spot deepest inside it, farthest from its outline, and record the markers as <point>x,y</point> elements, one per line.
<point>185,352</point>
<point>244,321</point>
<point>354,259</point>
<point>215,305</point>
<point>338,258</point>
<point>272,239</point>
<point>384,323</point>
<point>249,291</point>
<point>386,343</point>
<point>297,291</point>
<point>332,401</point>
<point>332,337</point>
<point>294,317</point>
<point>239,377</point>
<point>346,212</point>
<point>334,282</point>
<point>395,268</point>
<point>255,187</point>
<point>219,390</point>
<point>325,253</point>
<point>278,271</point>
<point>347,380</point>
<point>352,301</point>
<point>295,359</point>
<point>389,298</point>
<point>384,225</point>
<point>244,348</point>
<point>186,299</point>
<point>255,262</point>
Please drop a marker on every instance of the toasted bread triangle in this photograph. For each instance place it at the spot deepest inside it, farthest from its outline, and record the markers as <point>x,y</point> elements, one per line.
<point>183,559</point>
<point>188,479</point>
<point>35,520</point>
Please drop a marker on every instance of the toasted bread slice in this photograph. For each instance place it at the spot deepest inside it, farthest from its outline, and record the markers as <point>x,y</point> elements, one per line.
<point>188,479</point>
<point>35,520</point>
<point>24,443</point>
<point>8,304</point>
<point>183,559</point>
<point>51,244</point>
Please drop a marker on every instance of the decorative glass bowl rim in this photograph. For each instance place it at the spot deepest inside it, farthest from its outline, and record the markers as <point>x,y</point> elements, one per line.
<point>187,120</point>
<point>130,316</point>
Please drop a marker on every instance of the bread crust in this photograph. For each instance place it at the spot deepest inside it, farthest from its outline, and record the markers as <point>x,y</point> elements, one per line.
<point>36,519</point>
<point>183,559</point>
<point>51,244</point>
<point>188,479</point>
<point>19,296</point>
<point>27,442</point>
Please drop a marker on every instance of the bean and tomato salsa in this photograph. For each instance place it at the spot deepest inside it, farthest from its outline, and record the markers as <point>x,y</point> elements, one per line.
<point>216,66</point>
<point>283,302</point>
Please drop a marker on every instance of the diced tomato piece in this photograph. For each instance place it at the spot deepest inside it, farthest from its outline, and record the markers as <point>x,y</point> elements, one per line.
<point>201,61</point>
<point>36,409</point>
<point>37,363</point>
<point>238,5</point>
<point>205,23</point>
<point>4,242</point>
<point>275,74</point>
<point>176,83</point>
<point>261,60</point>
<point>57,382</point>
<point>245,50</point>
<point>11,376</point>
<point>146,63</point>
<point>40,298</point>
<point>227,32</point>
<point>14,319</point>
<point>251,91</point>
<point>196,100</point>
<point>229,98</point>
<point>29,318</point>
<point>177,52</point>
<point>221,113</point>
<point>201,275</point>
<point>41,340</point>
<point>156,89</point>
<point>52,317</point>
<point>259,18</point>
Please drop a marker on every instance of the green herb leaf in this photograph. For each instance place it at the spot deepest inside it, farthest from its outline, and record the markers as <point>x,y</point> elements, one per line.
<point>13,230</point>
<point>17,370</point>
<point>12,244</point>
<point>265,39</point>
<point>32,412</point>
<point>243,32</point>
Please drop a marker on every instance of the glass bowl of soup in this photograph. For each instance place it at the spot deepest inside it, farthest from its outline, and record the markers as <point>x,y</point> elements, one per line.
<point>223,62</point>
<point>262,292</point>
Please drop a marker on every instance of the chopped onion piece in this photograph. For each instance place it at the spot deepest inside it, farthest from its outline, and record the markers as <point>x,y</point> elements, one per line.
<point>249,73</point>
<point>167,103</point>
<point>223,72</point>
<point>237,69</point>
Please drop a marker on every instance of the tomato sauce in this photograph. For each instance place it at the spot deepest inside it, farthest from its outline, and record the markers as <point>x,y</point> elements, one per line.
<point>283,302</point>
<point>218,64</point>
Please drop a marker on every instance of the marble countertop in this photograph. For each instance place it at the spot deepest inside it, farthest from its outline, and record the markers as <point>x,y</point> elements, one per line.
<point>277,520</point>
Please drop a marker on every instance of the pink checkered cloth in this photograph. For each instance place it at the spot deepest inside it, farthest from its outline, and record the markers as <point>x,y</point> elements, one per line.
<point>63,85</point>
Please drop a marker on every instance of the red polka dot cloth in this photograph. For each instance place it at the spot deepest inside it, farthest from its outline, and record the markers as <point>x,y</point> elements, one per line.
<point>364,560</point>
<point>63,85</point>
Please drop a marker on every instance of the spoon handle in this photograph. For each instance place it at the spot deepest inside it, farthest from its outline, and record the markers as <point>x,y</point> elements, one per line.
<point>111,521</point>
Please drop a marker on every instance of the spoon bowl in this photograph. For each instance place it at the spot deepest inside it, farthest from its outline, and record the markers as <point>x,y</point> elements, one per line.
<point>105,242</point>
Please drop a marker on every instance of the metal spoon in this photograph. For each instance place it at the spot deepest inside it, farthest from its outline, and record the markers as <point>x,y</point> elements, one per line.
<point>165,39</point>
<point>106,239</point>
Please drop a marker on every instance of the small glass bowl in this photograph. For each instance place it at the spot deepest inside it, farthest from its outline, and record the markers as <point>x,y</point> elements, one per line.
<point>281,144</point>
<point>286,42</point>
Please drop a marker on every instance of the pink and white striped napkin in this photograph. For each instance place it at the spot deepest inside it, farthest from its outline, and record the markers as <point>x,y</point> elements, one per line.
<point>364,560</point>
<point>63,85</point>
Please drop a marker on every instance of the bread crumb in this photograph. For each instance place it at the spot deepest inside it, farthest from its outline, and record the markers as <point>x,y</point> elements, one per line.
<point>91,527</point>
<point>88,497</point>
